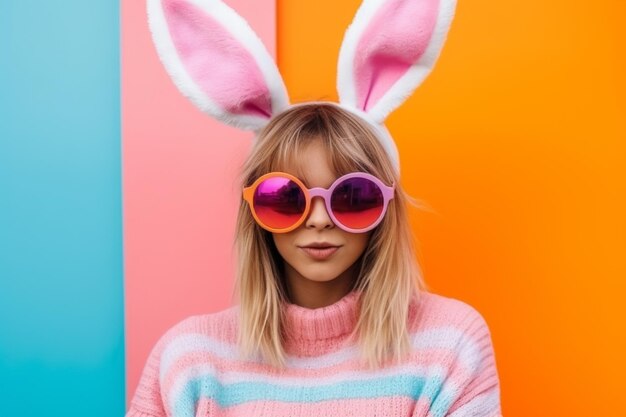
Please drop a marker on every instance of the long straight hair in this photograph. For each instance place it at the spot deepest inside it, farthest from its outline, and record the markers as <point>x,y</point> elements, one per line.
<point>389,275</point>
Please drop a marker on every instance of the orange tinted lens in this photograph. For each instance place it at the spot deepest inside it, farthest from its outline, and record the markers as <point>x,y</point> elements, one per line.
<point>279,202</point>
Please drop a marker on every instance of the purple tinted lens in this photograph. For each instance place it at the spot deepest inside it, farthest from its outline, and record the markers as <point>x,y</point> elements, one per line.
<point>357,202</point>
<point>279,202</point>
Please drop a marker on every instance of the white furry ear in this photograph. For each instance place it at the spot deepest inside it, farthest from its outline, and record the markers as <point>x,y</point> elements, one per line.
<point>388,50</point>
<point>217,61</point>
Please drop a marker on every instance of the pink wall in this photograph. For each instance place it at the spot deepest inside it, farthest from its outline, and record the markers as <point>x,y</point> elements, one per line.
<point>179,191</point>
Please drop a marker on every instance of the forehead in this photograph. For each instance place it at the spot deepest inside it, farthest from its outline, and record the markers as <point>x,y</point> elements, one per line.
<point>311,163</point>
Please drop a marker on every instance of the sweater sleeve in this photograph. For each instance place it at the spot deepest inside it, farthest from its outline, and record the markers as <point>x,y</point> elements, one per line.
<point>471,387</point>
<point>147,400</point>
<point>478,386</point>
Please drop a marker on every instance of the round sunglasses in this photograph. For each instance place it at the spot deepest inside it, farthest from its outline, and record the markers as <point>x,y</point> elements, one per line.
<point>356,202</point>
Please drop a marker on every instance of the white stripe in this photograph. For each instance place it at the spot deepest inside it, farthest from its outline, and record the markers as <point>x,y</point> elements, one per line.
<point>432,371</point>
<point>448,337</point>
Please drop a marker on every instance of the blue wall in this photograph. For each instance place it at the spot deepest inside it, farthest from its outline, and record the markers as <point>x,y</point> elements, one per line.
<point>61,282</point>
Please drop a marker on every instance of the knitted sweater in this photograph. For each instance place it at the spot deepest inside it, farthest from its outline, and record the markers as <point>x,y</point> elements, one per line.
<point>193,369</point>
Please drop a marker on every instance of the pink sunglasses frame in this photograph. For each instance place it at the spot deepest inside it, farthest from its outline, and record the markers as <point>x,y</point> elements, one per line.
<point>325,193</point>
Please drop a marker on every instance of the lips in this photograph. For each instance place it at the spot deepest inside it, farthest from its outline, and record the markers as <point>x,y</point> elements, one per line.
<point>320,250</point>
<point>320,253</point>
<point>320,245</point>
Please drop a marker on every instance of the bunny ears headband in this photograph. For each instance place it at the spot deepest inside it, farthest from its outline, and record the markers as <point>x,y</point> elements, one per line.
<point>218,62</point>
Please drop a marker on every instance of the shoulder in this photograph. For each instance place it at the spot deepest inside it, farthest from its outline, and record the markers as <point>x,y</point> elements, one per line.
<point>458,319</point>
<point>182,345</point>
<point>455,335</point>
<point>445,310</point>
<point>218,327</point>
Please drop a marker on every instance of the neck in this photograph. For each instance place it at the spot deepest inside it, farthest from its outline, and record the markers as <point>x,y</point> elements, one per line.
<point>305,325</point>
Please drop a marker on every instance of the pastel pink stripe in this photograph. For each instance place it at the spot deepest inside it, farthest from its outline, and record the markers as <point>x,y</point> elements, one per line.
<point>209,407</point>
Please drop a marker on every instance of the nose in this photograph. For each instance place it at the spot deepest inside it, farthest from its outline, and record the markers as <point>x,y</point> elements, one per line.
<point>318,216</point>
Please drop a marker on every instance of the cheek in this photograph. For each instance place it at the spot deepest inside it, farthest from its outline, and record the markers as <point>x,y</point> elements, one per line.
<point>356,244</point>
<point>284,244</point>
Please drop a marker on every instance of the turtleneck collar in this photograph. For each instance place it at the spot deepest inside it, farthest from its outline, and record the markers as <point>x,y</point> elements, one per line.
<point>303,324</point>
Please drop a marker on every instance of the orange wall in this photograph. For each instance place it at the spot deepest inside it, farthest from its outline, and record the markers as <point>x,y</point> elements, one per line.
<point>516,141</point>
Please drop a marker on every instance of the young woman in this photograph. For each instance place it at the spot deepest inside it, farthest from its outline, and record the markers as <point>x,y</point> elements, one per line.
<point>333,317</point>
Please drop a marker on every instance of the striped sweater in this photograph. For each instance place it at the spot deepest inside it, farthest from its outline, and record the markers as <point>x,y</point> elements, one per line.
<point>194,368</point>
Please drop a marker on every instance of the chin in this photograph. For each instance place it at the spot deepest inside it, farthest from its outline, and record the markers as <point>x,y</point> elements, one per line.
<point>319,274</point>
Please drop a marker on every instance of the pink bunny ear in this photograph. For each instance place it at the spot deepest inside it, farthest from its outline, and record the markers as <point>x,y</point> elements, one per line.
<point>217,61</point>
<point>388,50</point>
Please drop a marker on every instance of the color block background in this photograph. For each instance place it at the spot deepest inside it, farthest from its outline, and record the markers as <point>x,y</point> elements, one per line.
<point>516,141</point>
<point>61,276</point>
<point>180,191</point>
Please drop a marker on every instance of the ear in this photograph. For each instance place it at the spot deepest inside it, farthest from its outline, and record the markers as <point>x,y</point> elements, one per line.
<point>388,50</point>
<point>217,61</point>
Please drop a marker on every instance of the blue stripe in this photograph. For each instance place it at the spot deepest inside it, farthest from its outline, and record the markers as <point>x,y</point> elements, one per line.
<point>61,283</point>
<point>241,392</point>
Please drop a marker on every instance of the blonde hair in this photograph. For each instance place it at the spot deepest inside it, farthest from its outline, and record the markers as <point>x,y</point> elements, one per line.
<point>389,274</point>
